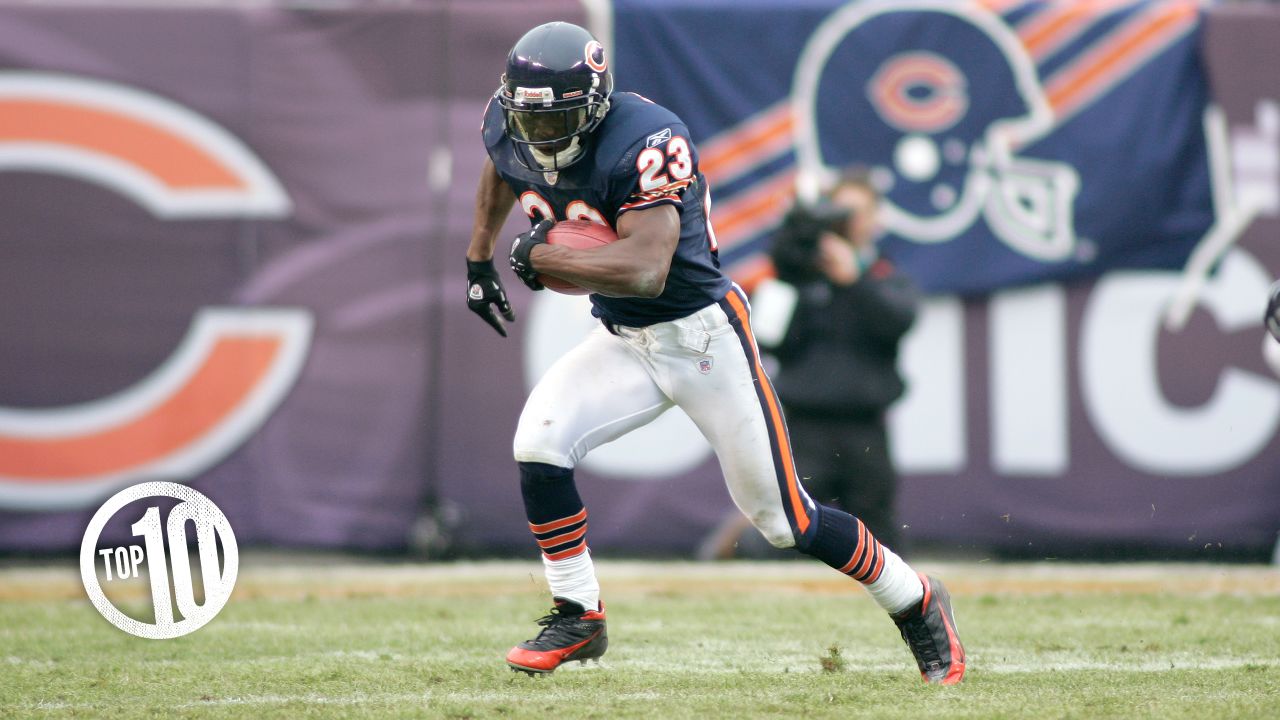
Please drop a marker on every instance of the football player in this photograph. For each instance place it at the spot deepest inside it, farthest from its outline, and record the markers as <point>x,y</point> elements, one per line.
<point>674,331</point>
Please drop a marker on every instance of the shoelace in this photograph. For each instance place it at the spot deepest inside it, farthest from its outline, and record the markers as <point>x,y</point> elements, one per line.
<point>552,623</point>
<point>918,637</point>
<point>552,618</point>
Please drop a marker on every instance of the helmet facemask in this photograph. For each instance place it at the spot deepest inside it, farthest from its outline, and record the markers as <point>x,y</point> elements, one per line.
<point>549,133</point>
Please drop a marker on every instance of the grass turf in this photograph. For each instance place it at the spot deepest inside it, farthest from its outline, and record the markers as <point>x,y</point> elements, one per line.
<point>706,641</point>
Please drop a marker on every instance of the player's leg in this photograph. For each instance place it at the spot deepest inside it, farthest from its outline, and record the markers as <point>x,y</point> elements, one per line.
<point>596,393</point>
<point>735,407</point>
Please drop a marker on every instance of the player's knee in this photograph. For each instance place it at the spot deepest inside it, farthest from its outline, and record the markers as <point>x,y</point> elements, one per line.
<point>535,473</point>
<point>774,527</point>
<point>542,440</point>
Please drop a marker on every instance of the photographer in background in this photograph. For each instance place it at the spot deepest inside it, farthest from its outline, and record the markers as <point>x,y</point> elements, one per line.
<point>838,350</point>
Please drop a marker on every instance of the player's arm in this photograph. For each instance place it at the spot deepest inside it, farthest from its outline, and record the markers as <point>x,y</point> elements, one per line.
<point>494,201</point>
<point>485,295</point>
<point>634,266</point>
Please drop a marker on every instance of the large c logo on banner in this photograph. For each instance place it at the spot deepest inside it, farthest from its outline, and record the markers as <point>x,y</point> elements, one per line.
<point>235,365</point>
<point>168,159</point>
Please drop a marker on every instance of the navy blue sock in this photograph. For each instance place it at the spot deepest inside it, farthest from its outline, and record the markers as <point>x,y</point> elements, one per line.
<point>843,542</point>
<point>556,514</point>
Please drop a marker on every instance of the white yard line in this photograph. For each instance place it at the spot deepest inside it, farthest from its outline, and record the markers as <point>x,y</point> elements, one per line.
<point>806,666</point>
<point>428,697</point>
<point>809,664</point>
<point>273,578</point>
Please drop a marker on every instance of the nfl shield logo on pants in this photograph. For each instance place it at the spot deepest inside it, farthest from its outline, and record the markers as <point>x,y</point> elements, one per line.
<point>704,365</point>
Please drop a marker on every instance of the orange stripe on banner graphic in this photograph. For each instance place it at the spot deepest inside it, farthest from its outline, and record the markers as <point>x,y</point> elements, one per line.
<point>169,157</point>
<point>1000,6</point>
<point>567,553</point>
<point>751,143</point>
<point>1042,28</point>
<point>562,539</point>
<point>230,372</point>
<point>755,210</point>
<point>752,271</point>
<point>1127,48</point>
<point>562,522</point>
<point>775,416</point>
<point>1062,21</point>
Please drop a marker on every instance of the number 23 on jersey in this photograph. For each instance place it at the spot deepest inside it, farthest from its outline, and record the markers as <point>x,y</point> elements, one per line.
<point>661,173</point>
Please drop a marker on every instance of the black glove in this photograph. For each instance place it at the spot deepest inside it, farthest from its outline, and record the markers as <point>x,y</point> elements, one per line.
<point>520,249</point>
<point>1273,311</point>
<point>484,290</point>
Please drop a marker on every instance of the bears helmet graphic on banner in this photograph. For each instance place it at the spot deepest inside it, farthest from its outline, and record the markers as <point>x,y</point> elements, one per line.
<point>938,127</point>
<point>994,130</point>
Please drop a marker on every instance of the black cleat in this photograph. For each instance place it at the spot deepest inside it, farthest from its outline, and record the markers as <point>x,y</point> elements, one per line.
<point>929,628</point>
<point>568,633</point>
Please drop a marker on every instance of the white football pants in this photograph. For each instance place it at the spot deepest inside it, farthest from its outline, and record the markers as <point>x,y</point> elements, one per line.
<point>708,365</point>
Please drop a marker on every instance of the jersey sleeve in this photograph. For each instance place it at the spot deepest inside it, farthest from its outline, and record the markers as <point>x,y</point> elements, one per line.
<point>491,127</point>
<point>656,170</point>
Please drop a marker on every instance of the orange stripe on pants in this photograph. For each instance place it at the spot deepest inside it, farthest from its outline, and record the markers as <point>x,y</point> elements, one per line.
<point>775,418</point>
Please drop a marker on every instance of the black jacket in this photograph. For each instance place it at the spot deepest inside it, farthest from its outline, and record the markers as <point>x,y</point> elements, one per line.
<point>839,356</point>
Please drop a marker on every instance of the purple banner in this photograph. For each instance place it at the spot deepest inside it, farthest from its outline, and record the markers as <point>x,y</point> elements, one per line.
<point>1084,422</point>
<point>1023,142</point>
<point>227,234</point>
<point>232,256</point>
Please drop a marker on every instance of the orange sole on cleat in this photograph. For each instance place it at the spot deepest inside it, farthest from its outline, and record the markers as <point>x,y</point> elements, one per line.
<point>545,662</point>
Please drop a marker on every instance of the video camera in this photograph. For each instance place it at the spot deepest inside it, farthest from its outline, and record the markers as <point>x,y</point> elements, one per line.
<point>805,223</point>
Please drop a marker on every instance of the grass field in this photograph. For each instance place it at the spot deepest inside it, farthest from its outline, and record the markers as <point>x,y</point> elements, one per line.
<point>707,641</point>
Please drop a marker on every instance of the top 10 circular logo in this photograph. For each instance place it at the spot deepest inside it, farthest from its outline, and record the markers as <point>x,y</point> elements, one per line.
<point>162,554</point>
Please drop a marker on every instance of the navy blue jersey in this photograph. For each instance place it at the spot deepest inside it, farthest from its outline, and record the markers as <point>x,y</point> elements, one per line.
<point>640,157</point>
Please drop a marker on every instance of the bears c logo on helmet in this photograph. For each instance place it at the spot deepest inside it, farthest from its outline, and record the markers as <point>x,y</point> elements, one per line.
<point>595,56</point>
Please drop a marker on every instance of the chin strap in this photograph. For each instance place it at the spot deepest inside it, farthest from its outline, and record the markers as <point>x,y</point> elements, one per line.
<point>551,162</point>
<point>556,161</point>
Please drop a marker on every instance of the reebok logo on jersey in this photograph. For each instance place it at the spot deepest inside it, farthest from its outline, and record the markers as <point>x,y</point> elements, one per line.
<point>658,138</point>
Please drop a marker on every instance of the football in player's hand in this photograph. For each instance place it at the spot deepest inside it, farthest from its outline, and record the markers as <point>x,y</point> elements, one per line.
<point>579,235</point>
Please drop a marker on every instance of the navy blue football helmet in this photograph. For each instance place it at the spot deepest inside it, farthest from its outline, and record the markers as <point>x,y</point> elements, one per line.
<point>555,92</point>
